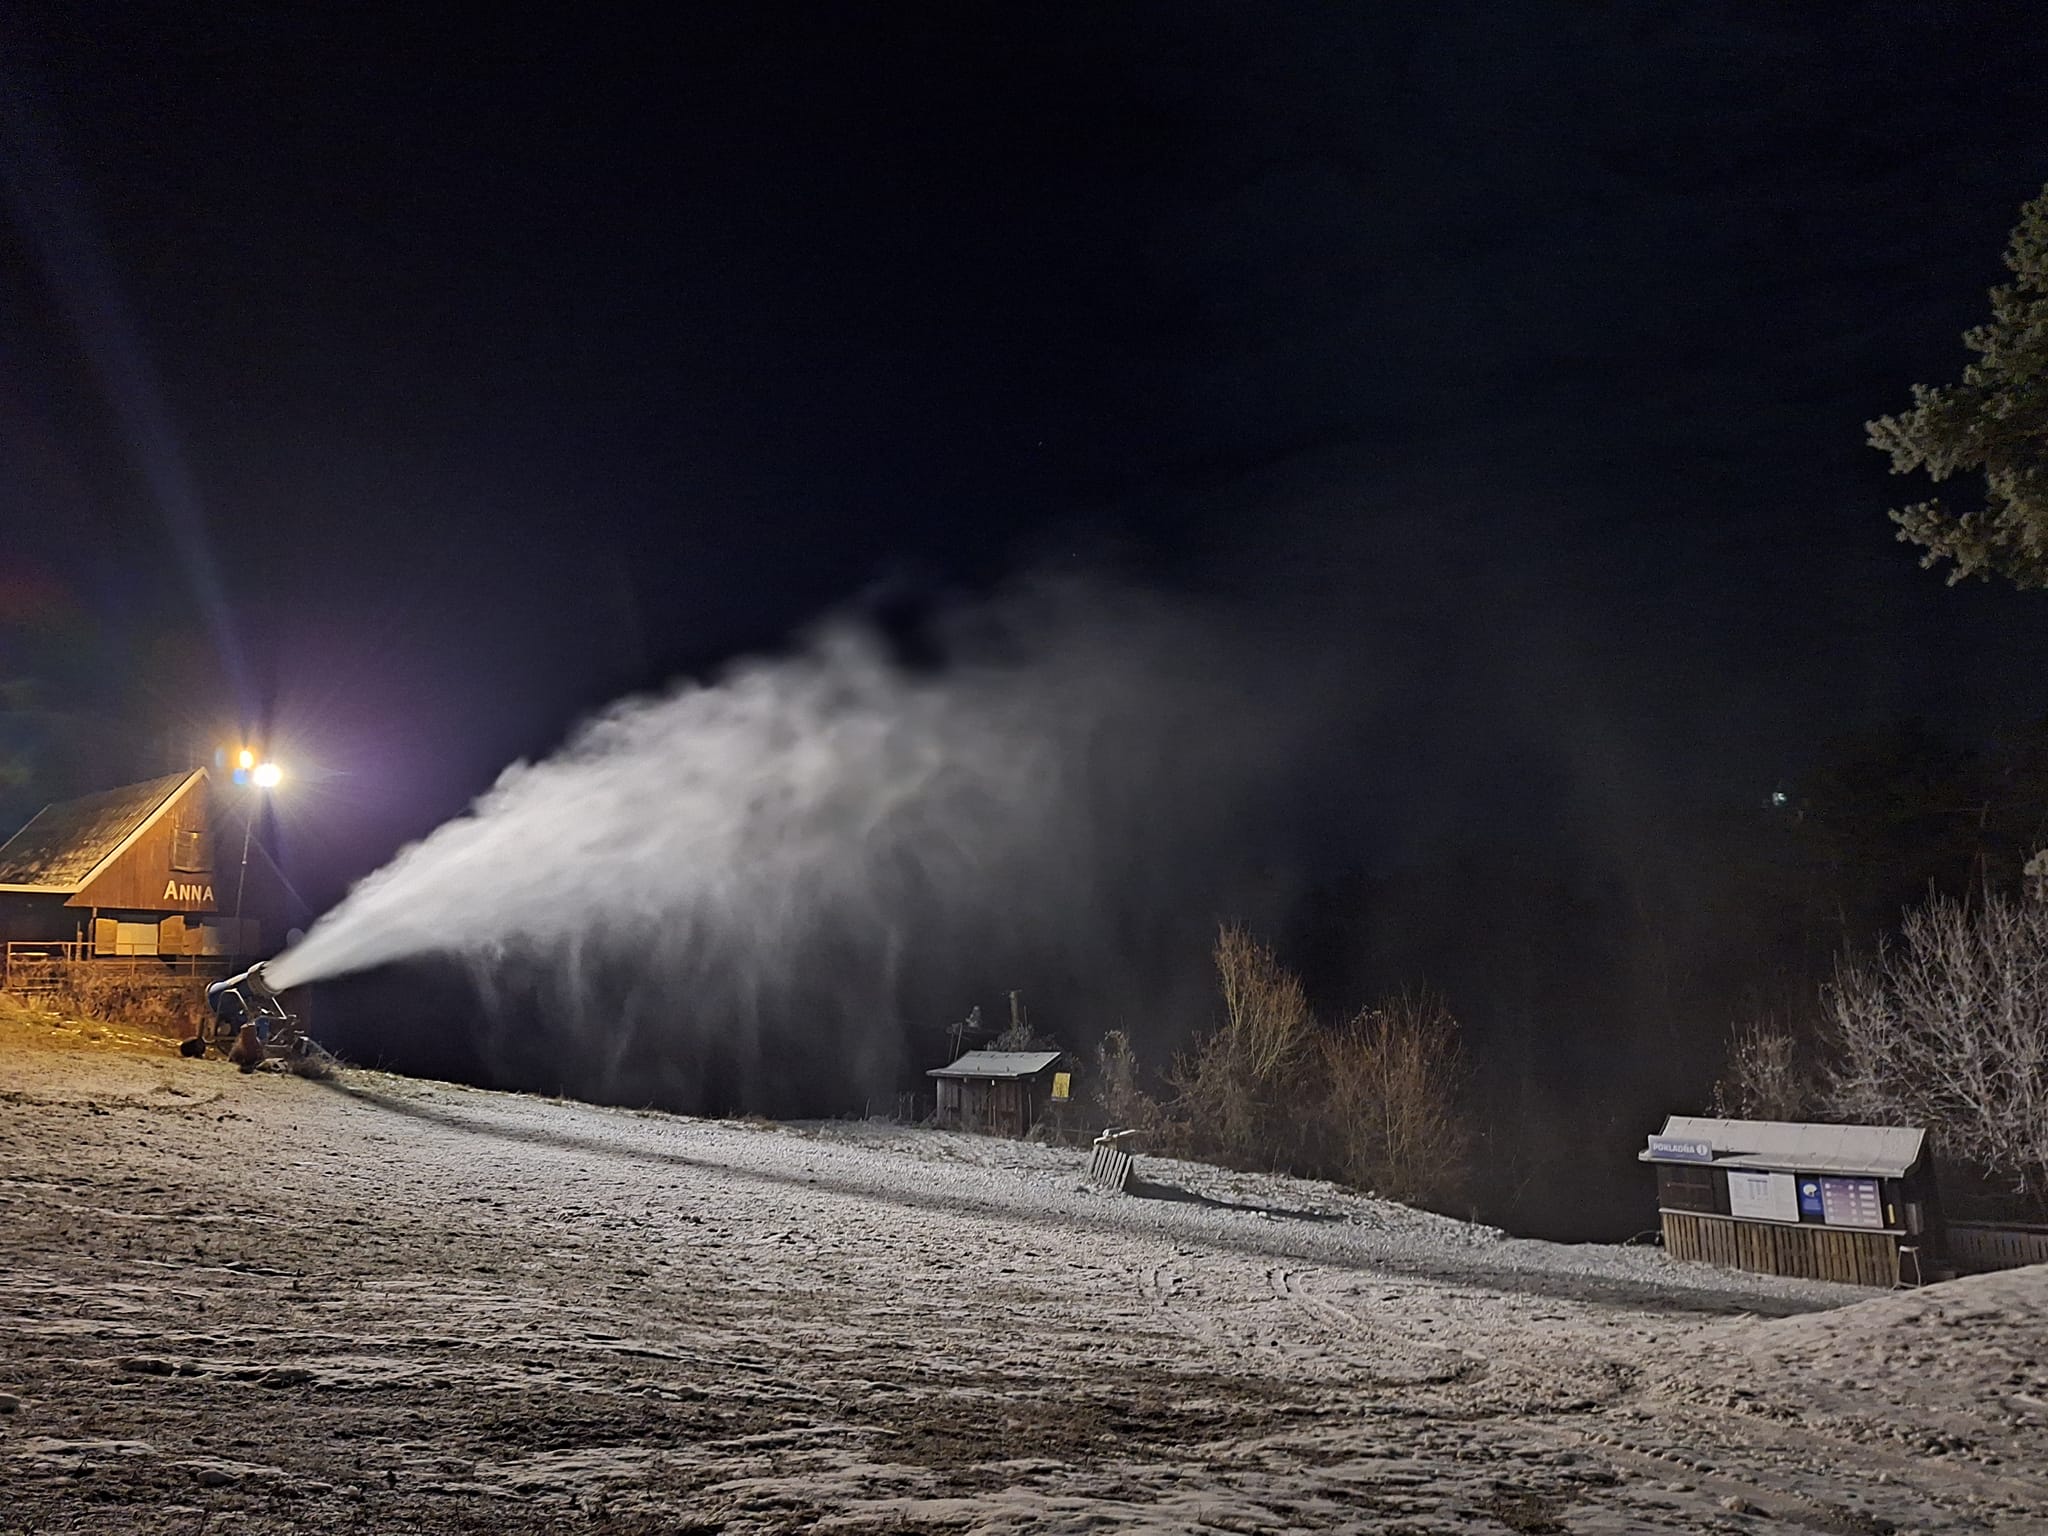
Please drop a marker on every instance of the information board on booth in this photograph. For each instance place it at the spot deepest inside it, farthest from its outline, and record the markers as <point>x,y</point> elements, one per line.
<point>1763,1196</point>
<point>1851,1203</point>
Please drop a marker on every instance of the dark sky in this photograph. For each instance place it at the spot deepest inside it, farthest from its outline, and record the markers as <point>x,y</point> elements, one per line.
<point>1515,354</point>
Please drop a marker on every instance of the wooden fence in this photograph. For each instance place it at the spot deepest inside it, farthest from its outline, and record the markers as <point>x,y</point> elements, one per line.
<point>1807,1252</point>
<point>30,967</point>
<point>1977,1246</point>
<point>34,968</point>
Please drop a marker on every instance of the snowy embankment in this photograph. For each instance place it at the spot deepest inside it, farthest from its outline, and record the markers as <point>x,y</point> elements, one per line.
<point>265,1304</point>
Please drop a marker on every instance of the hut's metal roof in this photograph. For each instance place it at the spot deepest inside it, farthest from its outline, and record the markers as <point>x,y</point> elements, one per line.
<point>998,1064</point>
<point>1875,1151</point>
<point>65,842</point>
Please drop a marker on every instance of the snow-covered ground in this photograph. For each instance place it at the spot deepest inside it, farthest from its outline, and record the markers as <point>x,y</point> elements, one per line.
<point>260,1303</point>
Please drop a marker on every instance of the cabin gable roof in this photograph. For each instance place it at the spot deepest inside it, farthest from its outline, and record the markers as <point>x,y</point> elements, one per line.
<point>1003,1064</point>
<point>68,842</point>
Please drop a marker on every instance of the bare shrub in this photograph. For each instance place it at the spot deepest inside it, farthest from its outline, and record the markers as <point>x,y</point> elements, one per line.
<point>1021,1036</point>
<point>1764,1079</point>
<point>1376,1103</point>
<point>1113,1091</point>
<point>1017,1035</point>
<point>1237,1092</point>
<point>315,1062</point>
<point>1389,1115</point>
<point>174,1006</point>
<point>1949,1028</point>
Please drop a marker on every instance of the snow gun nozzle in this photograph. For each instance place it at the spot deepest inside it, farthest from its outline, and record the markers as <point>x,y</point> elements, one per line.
<point>249,991</point>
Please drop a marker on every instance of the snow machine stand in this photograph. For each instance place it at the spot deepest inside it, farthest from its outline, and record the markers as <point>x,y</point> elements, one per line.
<point>248,1002</point>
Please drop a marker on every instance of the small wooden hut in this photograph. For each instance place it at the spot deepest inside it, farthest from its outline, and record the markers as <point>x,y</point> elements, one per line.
<point>999,1093</point>
<point>1854,1203</point>
<point>134,874</point>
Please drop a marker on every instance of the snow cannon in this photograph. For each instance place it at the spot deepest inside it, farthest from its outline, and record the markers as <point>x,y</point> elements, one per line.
<point>249,1018</point>
<point>245,999</point>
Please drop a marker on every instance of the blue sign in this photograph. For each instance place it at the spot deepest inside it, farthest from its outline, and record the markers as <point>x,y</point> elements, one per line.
<point>1809,1198</point>
<point>1677,1149</point>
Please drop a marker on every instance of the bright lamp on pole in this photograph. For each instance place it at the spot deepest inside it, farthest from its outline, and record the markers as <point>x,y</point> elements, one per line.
<point>262,776</point>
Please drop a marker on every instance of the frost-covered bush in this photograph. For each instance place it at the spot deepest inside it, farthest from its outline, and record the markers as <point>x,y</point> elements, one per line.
<point>1948,1027</point>
<point>1765,1078</point>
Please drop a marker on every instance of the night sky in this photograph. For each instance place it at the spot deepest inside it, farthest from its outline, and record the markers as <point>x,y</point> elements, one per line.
<point>1512,358</point>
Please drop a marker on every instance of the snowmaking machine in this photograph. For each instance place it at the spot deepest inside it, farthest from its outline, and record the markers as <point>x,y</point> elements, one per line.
<point>250,1021</point>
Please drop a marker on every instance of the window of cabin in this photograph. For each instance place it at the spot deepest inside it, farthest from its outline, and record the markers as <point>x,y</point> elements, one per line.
<point>135,938</point>
<point>1682,1188</point>
<point>191,851</point>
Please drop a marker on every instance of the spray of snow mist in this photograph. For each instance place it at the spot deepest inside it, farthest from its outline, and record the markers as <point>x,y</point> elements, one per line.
<point>800,835</point>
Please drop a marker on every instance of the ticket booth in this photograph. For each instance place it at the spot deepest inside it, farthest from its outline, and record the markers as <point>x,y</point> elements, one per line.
<point>1854,1203</point>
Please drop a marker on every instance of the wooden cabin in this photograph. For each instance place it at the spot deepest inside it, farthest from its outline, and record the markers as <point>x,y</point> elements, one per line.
<point>998,1093</point>
<point>137,873</point>
<point>1854,1203</point>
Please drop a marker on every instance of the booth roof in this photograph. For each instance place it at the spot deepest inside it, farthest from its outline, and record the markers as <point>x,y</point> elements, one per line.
<point>1875,1151</point>
<point>998,1064</point>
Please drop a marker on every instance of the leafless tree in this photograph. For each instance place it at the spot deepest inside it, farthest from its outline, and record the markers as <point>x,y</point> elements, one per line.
<point>1765,1078</point>
<point>1375,1103</point>
<point>1118,1101</point>
<point>1236,1092</point>
<point>1948,1027</point>
<point>1389,1111</point>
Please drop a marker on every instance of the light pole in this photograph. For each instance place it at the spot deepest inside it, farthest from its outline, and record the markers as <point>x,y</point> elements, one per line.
<point>260,776</point>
